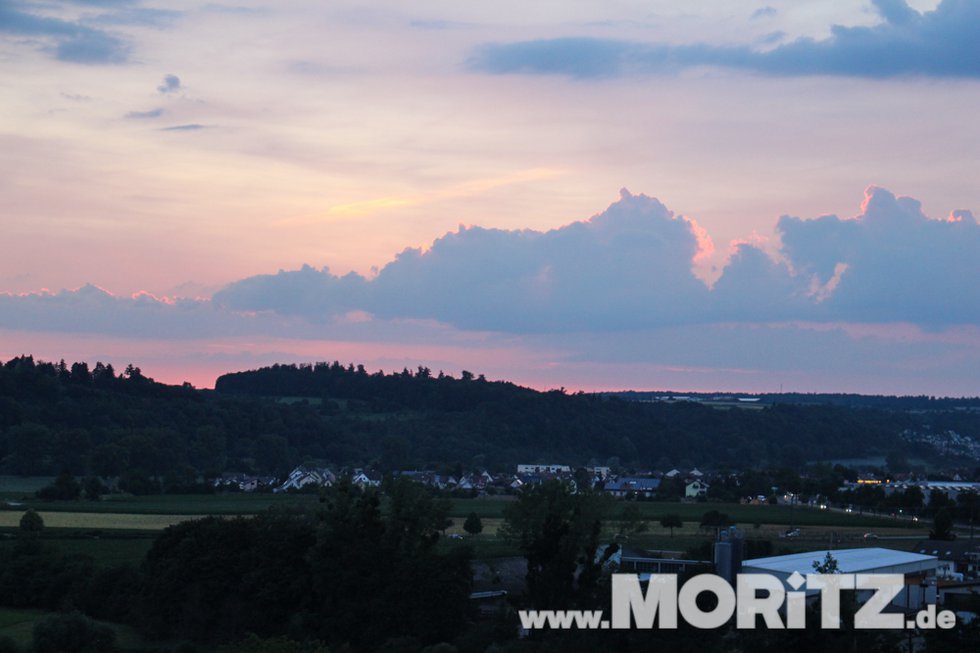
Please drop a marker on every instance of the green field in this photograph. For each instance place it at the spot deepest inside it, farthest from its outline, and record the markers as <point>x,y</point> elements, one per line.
<point>819,528</point>
<point>177,504</point>
<point>97,521</point>
<point>119,528</point>
<point>170,508</point>
<point>742,514</point>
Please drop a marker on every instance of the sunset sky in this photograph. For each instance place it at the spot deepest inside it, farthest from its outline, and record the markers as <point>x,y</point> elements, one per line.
<point>705,195</point>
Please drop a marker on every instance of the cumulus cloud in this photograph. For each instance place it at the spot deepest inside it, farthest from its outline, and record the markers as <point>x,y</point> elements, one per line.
<point>940,43</point>
<point>756,288</point>
<point>626,269</point>
<point>315,294</point>
<point>72,41</point>
<point>91,309</point>
<point>894,263</point>
<point>630,268</point>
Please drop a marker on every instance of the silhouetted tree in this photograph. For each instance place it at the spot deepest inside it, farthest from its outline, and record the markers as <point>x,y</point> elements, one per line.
<point>671,521</point>
<point>473,524</point>
<point>942,525</point>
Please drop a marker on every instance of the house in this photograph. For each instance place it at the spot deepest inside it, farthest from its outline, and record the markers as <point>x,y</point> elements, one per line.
<point>958,559</point>
<point>303,476</point>
<point>364,479</point>
<point>243,482</point>
<point>538,468</point>
<point>632,486</point>
<point>696,489</point>
<point>429,478</point>
<point>599,473</point>
<point>443,482</point>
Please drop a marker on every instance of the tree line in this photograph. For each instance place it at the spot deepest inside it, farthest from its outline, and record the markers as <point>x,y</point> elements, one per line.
<point>95,422</point>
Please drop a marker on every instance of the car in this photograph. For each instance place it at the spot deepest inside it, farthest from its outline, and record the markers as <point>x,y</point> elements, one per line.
<point>455,536</point>
<point>871,536</point>
<point>792,532</point>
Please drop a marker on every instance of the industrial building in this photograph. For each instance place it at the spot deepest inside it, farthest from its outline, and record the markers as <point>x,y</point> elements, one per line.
<point>918,569</point>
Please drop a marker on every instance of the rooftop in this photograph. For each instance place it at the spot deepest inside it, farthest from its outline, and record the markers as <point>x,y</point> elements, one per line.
<point>849,561</point>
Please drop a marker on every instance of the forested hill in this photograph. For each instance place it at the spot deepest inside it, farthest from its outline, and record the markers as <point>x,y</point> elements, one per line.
<point>95,421</point>
<point>416,390</point>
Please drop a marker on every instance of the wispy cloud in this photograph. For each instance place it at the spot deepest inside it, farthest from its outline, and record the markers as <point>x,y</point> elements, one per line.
<point>141,16</point>
<point>185,128</point>
<point>72,41</point>
<point>144,115</point>
<point>938,43</point>
<point>464,189</point>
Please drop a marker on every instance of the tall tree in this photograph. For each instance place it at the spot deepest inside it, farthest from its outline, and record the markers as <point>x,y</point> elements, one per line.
<point>671,521</point>
<point>942,525</point>
<point>559,535</point>
<point>473,524</point>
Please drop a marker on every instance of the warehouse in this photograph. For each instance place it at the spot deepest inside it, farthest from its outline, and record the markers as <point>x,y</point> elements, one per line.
<point>919,570</point>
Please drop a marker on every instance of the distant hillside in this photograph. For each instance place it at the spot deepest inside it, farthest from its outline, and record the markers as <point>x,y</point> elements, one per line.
<point>890,402</point>
<point>55,416</point>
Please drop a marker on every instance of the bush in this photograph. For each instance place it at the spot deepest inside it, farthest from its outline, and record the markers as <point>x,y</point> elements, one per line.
<point>255,644</point>
<point>31,524</point>
<point>64,488</point>
<point>72,632</point>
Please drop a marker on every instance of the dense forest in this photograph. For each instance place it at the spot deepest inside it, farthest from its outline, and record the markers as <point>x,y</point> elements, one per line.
<point>55,416</point>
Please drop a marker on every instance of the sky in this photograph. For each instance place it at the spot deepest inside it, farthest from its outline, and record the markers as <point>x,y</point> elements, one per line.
<point>730,195</point>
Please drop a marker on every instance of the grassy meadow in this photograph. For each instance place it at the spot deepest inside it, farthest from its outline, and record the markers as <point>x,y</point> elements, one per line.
<point>120,528</point>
